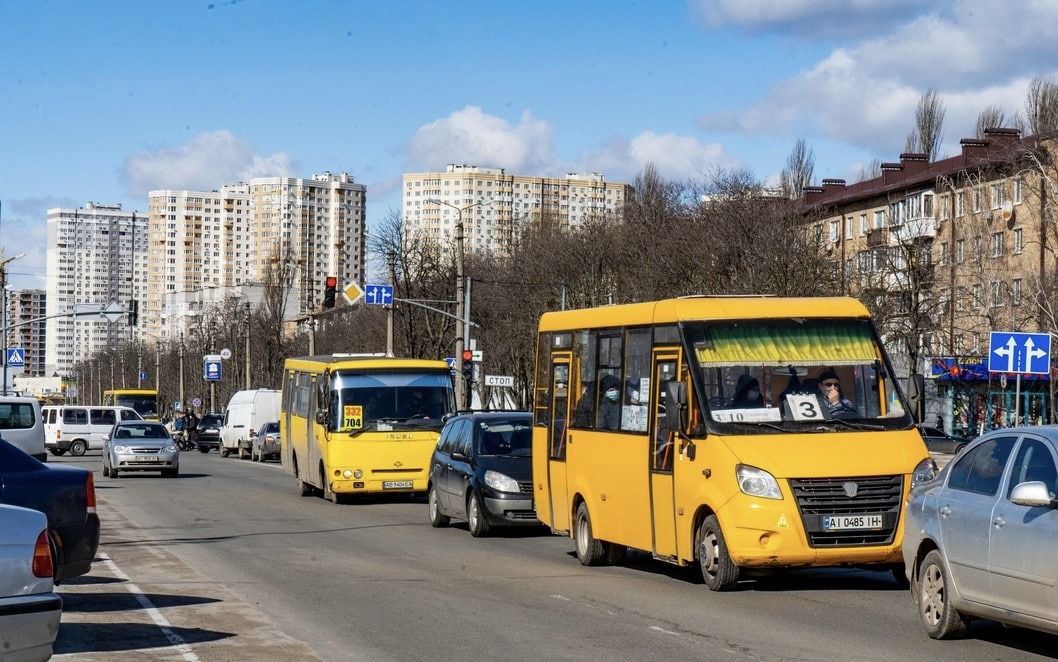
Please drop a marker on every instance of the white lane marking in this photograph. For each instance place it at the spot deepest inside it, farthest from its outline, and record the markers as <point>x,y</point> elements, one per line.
<point>176,640</point>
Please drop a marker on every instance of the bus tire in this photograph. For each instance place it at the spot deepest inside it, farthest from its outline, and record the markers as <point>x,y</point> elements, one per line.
<point>476,522</point>
<point>718,570</point>
<point>78,447</point>
<point>437,519</point>
<point>304,489</point>
<point>589,550</point>
<point>328,493</point>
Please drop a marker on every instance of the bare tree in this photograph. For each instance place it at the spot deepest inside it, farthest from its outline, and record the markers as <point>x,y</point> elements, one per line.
<point>1041,107</point>
<point>991,117</point>
<point>925,137</point>
<point>797,174</point>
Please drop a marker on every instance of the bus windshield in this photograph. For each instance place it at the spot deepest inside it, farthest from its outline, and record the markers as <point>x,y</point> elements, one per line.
<point>793,370</point>
<point>387,400</point>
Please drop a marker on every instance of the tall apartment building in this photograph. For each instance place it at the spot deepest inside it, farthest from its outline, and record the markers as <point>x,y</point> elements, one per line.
<point>96,255</point>
<point>25,313</point>
<point>495,206</point>
<point>208,246</point>
<point>954,250</point>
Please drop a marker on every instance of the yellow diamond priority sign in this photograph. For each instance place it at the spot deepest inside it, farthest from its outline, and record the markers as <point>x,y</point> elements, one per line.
<point>353,292</point>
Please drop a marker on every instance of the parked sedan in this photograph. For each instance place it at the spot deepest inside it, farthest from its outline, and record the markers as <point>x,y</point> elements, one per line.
<point>482,472</point>
<point>265,444</point>
<point>939,441</point>
<point>980,539</point>
<point>140,446</point>
<point>66,495</point>
<point>30,610</point>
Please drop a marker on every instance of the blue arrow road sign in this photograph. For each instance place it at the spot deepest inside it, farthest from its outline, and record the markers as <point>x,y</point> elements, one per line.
<point>1024,353</point>
<point>16,357</point>
<point>378,294</point>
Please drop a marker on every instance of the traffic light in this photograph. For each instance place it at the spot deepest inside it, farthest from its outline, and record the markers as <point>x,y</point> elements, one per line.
<point>134,312</point>
<point>330,288</point>
<point>468,366</point>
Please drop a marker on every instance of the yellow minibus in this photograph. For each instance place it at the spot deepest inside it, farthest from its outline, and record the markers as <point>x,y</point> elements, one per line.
<point>744,434</point>
<point>362,424</point>
<point>144,401</point>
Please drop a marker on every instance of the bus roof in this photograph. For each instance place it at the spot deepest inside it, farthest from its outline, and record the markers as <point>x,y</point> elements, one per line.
<point>362,362</point>
<point>703,308</point>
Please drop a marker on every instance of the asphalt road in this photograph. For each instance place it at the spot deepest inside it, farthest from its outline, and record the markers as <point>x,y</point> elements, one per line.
<point>226,562</point>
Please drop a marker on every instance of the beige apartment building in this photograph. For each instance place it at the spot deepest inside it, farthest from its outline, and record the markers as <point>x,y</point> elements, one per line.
<point>495,206</point>
<point>945,253</point>
<point>207,247</point>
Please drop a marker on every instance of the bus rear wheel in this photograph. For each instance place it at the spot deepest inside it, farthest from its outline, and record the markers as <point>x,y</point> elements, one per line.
<point>718,570</point>
<point>589,550</point>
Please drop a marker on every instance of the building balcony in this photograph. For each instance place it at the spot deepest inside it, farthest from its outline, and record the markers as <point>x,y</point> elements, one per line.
<point>917,228</point>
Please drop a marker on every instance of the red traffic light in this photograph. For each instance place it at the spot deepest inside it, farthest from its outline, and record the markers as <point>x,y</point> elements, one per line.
<point>468,355</point>
<point>332,281</point>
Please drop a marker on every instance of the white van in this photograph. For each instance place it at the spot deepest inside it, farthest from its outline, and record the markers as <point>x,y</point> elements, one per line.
<point>21,424</point>
<point>80,428</point>
<point>247,411</point>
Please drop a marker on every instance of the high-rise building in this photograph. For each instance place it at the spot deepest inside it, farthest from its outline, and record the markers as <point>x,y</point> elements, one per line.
<point>208,246</point>
<point>495,206</point>
<point>97,255</point>
<point>25,317</point>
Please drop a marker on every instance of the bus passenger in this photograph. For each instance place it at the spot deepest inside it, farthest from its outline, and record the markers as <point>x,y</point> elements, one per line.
<point>837,405</point>
<point>610,403</point>
<point>747,392</point>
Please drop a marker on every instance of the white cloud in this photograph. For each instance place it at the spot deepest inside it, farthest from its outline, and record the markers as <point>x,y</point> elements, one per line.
<point>674,156</point>
<point>208,161</point>
<point>474,137</point>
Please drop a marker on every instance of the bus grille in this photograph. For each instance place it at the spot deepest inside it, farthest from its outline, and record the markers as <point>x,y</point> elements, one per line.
<point>818,497</point>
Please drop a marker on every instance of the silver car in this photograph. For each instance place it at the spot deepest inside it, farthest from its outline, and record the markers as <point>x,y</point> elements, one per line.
<point>30,609</point>
<point>265,444</point>
<point>140,446</point>
<point>981,539</point>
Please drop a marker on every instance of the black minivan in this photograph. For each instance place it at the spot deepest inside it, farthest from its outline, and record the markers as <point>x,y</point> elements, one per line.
<point>482,472</point>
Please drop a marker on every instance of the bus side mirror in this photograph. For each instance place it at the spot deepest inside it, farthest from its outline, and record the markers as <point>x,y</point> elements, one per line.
<point>916,396</point>
<point>675,406</point>
<point>321,416</point>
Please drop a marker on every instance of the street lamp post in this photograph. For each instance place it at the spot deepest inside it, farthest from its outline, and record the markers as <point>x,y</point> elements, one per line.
<point>3,313</point>
<point>462,389</point>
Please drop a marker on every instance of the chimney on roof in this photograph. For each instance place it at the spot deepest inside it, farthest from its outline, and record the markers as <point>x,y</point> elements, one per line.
<point>914,162</point>
<point>891,172</point>
<point>812,194</point>
<point>974,146</point>
<point>1002,135</point>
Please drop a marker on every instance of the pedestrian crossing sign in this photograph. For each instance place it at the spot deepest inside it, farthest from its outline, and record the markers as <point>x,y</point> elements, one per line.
<point>16,357</point>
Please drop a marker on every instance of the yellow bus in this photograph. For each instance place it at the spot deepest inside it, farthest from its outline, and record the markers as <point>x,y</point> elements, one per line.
<point>648,435</point>
<point>144,401</point>
<point>355,424</point>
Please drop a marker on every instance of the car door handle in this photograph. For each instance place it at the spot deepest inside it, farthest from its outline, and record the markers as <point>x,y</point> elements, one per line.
<point>944,511</point>
<point>999,522</point>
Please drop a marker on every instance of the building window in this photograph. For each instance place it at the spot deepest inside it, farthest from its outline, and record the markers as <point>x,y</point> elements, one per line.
<point>960,298</point>
<point>1015,292</point>
<point>835,230</point>
<point>848,228</point>
<point>944,212</point>
<point>977,199</point>
<point>976,249</point>
<point>927,205</point>
<point>998,195</point>
<point>863,225</point>
<point>975,300</point>
<point>1019,190</point>
<point>959,344</point>
<point>997,293</point>
<point>879,220</point>
<point>943,253</point>
<point>960,251</point>
<point>997,244</point>
<point>1019,244</point>
<point>960,203</point>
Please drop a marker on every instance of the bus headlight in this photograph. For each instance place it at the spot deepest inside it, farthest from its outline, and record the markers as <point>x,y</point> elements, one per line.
<point>358,474</point>
<point>347,474</point>
<point>924,472</point>
<point>500,482</point>
<point>757,482</point>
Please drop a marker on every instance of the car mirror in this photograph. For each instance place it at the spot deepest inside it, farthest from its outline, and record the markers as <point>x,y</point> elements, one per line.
<point>1033,494</point>
<point>459,456</point>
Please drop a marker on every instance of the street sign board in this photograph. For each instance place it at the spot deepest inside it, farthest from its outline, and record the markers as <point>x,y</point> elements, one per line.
<point>212,370</point>
<point>1019,353</point>
<point>451,361</point>
<point>381,295</point>
<point>16,357</point>
<point>499,380</point>
<point>352,292</point>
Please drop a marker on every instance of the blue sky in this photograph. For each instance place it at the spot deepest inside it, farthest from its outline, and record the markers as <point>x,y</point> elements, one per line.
<point>103,101</point>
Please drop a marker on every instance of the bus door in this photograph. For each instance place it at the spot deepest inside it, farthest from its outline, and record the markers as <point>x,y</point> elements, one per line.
<point>663,447</point>
<point>558,500</point>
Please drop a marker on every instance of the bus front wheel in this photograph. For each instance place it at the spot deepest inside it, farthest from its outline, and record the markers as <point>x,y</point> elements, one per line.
<point>718,570</point>
<point>304,489</point>
<point>589,550</point>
